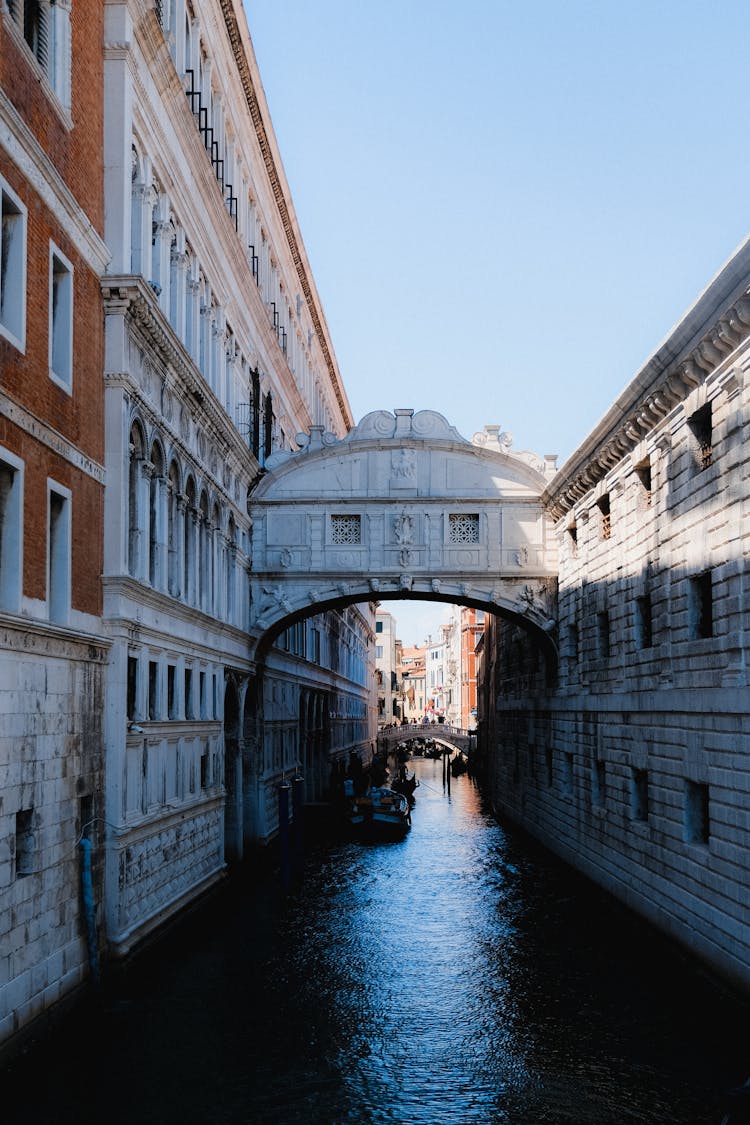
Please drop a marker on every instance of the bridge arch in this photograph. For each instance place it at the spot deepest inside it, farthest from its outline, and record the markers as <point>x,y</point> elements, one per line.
<point>403,507</point>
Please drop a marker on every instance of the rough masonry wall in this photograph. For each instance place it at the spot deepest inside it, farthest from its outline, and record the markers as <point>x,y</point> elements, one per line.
<point>636,766</point>
<point>51,692</point>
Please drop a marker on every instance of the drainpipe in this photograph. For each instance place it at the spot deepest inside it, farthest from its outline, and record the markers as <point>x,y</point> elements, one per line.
<point>87,887</point>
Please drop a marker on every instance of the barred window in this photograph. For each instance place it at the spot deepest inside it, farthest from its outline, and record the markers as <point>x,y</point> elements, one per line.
<point>346,529</point>
<point>463,528</point>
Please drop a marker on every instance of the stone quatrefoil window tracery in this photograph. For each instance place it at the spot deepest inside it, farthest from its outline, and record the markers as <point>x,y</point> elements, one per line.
<point>346,529</point>
<point>463,528</point>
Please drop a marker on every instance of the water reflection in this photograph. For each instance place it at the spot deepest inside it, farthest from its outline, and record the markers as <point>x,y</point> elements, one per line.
<point>455,977</point>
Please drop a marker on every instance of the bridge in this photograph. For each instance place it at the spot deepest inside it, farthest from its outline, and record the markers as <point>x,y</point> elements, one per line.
<point>452,737</point>
<point>402,507</point>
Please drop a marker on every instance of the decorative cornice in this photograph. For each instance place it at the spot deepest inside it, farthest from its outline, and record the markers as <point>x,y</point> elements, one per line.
<point>130,296</point>
<point>46,180</point>
<point>49,437</point>
<point>700,343</point>
<point>243,66</point>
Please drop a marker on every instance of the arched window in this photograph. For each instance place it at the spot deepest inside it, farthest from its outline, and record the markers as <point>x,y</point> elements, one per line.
<point>214,603</point>
<point>188,582</point>
<point>173,530</point>
<point>203,554</point>
<point>230,573</point>
<point>156,517</point>
<point>135,476</point>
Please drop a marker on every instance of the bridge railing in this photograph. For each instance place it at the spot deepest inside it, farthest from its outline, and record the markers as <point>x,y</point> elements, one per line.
<point>462,738</point>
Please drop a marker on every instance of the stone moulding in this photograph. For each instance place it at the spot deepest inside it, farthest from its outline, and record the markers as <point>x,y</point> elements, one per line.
<point>130,296</point>
<point>280,195</point>
<point>708,335</point>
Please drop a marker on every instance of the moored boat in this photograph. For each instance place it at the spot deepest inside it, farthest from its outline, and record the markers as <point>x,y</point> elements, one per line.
<point>380,812</point>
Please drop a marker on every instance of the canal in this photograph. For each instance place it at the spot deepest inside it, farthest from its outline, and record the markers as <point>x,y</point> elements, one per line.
<point>459,977</point>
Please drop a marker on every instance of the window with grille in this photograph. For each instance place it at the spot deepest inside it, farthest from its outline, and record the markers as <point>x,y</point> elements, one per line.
<point>643,473</point>
<point>606,524</point>
<point>700,605</point>
<point>644,622</point>
<point>463,528</point>
<point>701,428</point>
<point>638,794</point>
<point>346,529</point>
<point>573,540</point>
<point>696,820</point>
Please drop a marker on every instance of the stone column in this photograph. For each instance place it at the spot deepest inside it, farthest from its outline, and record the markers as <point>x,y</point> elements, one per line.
<point>162,232</point>
<point>144,520</point>
<point>179,264</point>
<point>158,561</point>
<point>193,315</point>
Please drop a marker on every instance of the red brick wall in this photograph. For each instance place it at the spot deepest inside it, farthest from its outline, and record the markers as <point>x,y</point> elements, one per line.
<point>77,155</point>
<point>77,152</point>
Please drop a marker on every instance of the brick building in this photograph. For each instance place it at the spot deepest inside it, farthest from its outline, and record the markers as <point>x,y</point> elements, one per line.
<point>52,652</point>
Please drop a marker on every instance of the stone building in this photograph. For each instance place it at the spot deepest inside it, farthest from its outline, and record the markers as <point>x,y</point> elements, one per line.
<point>161,338</point>
<point>631,759</point>
<point>52,651</point>
<point>413,687</point>
<point>386,673</point>
<point>217,355</point>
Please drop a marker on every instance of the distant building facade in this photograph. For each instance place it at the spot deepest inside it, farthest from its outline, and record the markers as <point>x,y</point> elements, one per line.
<point>385,666</point>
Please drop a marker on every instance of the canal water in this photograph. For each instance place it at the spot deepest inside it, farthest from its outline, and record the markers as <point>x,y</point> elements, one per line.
<point>459,977</point>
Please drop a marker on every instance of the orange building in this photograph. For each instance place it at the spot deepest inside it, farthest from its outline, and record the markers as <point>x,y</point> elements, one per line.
<point>472,628</point>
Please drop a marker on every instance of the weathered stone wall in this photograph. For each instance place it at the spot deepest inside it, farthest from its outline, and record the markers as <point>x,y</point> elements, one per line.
<point>52,763</point>
<point>632,759</point>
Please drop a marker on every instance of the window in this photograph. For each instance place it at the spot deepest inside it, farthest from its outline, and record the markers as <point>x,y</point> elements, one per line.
<point>573,540</point>
<point>378,652</point>
<point>598,782</point>
<point>132,687</point>
<point>60,319</point>
<point>643,475</point>
<point>696,823</point>
<point>606,521</point>
<point>13,268</point>
<point>346,529</point>
<point>171,712</point>
<point>644,630</point>
<point>378,626</point>
<point>45,28</point>
<point>700,426</point>
<point>11,537</point>
<point>602,626</point>
<point>463,528</point>
<point>189,693</point>
<point>700,606</point>
<point>153,689</point>
<point>58,565</point>
<point>25,842</point>
<point>573,642</point>
<point>567,777</point>
<point>639,794</point>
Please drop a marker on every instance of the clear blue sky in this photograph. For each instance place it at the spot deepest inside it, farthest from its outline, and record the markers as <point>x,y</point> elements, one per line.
<point>507,206</point>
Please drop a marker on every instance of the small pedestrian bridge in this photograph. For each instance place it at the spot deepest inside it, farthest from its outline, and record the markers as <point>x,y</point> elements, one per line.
<point>451,737</point>
<point>402,507</point>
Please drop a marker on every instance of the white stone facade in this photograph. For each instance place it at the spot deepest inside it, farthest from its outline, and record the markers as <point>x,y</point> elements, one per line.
<point>217,355</point>
<point>636,765</point>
